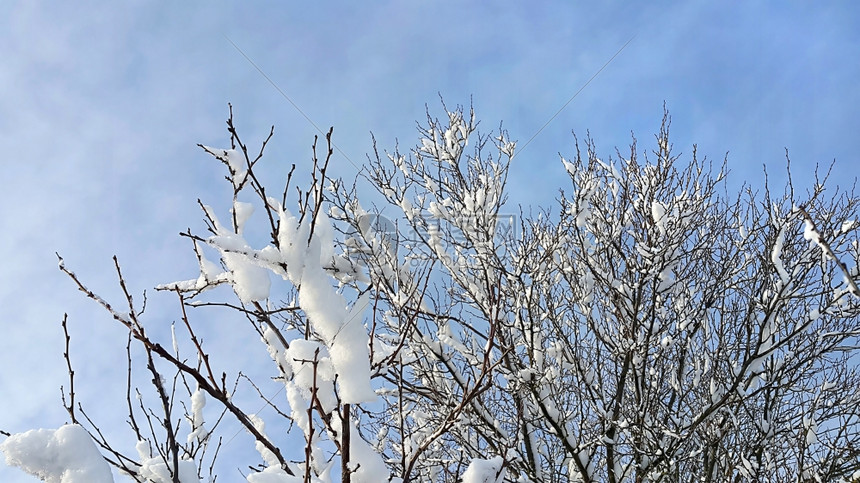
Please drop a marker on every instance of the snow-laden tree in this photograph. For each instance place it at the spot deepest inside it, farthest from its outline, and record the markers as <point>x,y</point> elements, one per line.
<point>651,327</point>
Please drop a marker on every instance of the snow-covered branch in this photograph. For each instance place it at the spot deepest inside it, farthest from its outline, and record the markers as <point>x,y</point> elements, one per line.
<point>650,327</point>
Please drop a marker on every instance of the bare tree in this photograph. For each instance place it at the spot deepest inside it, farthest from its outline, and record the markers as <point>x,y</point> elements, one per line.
<point>656,329</point>
<point>651,327</point>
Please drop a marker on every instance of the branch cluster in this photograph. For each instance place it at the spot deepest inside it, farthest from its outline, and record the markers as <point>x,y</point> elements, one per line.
<point>652,328</point>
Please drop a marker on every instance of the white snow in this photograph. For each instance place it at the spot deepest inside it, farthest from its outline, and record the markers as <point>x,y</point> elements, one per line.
<point>343,331</point>
<point>273,474</point>
<point>371,468</point>
<point>484,471</point>
<point>776,257</point>
<point>568,166</point>
<point>64,455</point>
<point>583,215</point>
<point>299,405</point>
<point>658,213</point>
<point>234,159</point>
<point>250,282</point>
<point>811,429</point>
<point>266,453</point>
<point>242,211</point>
<point>809,232</point>
<point>300,356</point>
<point>155,470</point>
<point>198,433</point>
<point>292,239</point>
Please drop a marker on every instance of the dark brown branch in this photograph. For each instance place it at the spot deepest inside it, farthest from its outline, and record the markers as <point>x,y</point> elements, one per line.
<point>70,406</point>
<point>213,391</point>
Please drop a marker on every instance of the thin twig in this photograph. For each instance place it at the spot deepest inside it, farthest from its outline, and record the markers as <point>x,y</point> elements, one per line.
<point>70,407</point>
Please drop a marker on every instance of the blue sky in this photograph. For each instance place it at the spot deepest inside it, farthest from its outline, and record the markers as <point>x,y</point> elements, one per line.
<point>101,107</point>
